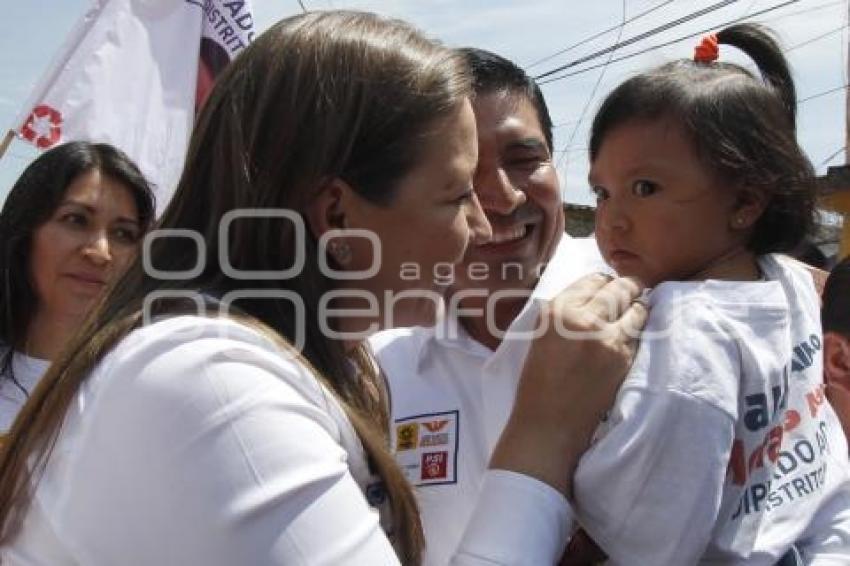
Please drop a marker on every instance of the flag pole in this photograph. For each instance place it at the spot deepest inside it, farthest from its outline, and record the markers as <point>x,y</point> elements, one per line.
<point>4,145</point>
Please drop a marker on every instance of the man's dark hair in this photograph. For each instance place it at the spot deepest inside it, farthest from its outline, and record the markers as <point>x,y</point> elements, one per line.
<point>835,314</point>
<point>493,73</point>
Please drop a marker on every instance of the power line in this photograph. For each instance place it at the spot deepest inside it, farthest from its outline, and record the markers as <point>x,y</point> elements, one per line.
<point>668,43</point>
<point>572,149</point>
<point>639,37</point>
<point>788,49</point>
<point>598,35</point>
<point>806,11</point>
<point>816,38</point>
<point>752,66</point>
<point>749,8</point>
<point>595,88</point>
<point>833,156</point>
<point>562,124</point>
<point>818,95</point>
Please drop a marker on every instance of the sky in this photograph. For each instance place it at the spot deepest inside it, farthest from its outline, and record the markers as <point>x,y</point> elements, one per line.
<point>814,32</point>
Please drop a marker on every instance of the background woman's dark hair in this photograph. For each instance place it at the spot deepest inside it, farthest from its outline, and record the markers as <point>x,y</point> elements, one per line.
<point>743,128</point>
<point>31,202</point>
<point>316,97</point>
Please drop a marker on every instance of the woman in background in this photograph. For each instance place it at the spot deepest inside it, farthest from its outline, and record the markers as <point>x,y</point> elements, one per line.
<point>69,226</point>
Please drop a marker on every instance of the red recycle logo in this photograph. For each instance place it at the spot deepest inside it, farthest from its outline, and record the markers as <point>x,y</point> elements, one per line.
<point>43,126</point>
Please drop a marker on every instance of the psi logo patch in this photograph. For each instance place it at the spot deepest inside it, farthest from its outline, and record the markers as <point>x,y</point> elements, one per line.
<point>434,465</point>
<point>426,447</point>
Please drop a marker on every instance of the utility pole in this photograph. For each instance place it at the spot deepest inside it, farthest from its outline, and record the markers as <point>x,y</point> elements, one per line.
<point>837,196</point>
<point>843,201</point>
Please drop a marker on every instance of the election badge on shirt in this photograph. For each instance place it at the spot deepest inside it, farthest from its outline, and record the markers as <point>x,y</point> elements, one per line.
<point>426,447</point>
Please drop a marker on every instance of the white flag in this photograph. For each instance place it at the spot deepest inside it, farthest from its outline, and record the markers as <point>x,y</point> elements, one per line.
<point>128,75</point>
<point>228,28</point>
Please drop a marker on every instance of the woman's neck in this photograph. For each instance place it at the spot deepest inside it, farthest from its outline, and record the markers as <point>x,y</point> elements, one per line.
<point>48,334</point>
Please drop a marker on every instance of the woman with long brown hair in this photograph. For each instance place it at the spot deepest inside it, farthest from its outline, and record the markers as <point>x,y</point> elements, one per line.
<point>185,427</point>
<point>71,223</point>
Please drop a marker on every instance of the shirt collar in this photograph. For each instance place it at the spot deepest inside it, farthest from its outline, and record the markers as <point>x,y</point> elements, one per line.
<point>573,258</point>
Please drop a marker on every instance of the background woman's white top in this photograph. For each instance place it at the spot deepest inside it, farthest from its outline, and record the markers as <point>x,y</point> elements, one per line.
<point>196,441</point>
<point>27,371</point>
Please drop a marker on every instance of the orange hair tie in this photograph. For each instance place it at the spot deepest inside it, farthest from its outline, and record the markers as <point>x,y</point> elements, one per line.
<point>707,51</point>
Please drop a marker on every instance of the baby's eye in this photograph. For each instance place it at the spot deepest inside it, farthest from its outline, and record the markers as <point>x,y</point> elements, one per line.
<point>600,193</point>
<point>644,188</point>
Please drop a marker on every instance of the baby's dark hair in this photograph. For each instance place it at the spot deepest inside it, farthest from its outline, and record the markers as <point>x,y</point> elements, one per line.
<point>743,128</point>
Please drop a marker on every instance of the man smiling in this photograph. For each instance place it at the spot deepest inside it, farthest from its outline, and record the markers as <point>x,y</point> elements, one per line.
<point>517,186</point>
<point>453,385</point>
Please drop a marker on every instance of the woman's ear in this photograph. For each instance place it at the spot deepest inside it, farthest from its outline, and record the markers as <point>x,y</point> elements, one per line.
<point>327,210</point>
<point>748,207</point>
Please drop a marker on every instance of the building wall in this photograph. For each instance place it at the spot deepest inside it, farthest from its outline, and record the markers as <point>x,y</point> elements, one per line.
<point>579,220</point>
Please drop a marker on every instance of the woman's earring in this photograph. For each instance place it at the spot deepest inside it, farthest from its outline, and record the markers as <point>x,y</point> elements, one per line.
<point>340,250</point>
<point>740,221</point>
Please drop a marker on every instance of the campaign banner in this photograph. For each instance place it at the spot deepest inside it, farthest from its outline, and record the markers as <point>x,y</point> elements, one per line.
<point>228,28</point>
<point>128,75</point>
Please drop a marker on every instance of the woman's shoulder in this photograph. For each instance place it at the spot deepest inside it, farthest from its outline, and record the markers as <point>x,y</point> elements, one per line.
<point>203,340</point>
<point>186,328</point>
<point>196,364</point>
<point>211,410</point>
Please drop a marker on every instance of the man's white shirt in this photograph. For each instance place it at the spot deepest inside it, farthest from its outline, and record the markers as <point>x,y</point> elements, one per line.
<point>451,398</point>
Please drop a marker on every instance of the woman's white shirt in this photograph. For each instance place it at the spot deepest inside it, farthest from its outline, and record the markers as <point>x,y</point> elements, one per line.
<point>27,371</point>
<point>198,441</point>
<point>195,441</point>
